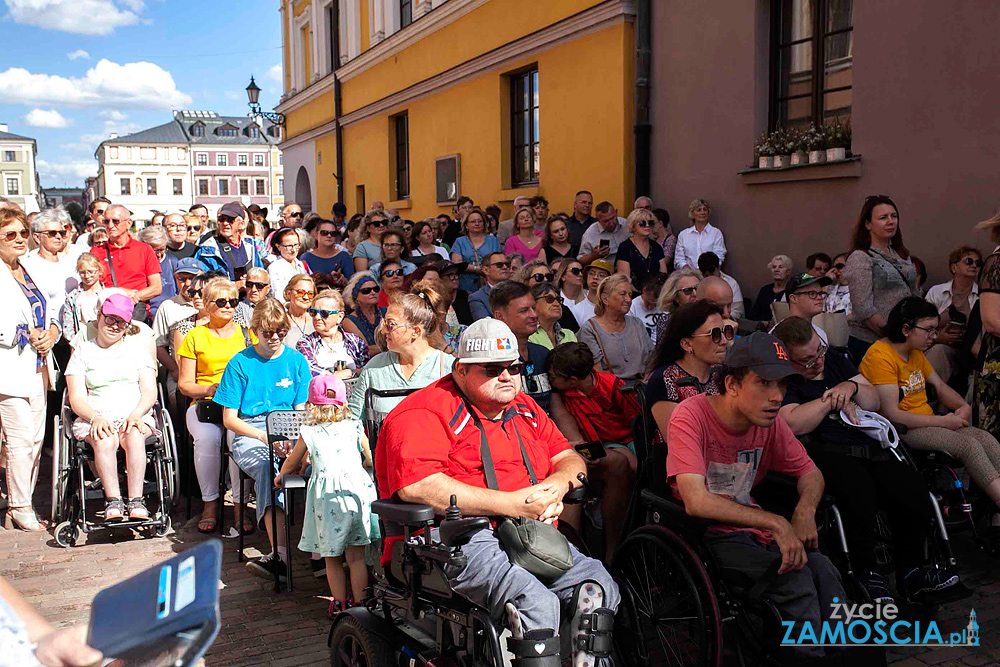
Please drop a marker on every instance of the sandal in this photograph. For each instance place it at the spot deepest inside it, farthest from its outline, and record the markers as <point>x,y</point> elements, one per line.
<point>336,607</point>
<point>207,524</point>
<point>114,509</point>
<point>25,520</point>
<point>137,510</point>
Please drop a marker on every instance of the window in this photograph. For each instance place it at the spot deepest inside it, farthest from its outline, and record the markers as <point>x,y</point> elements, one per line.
<point>402,131</point>
<point>224,187</point>
<point>227,131</point>
<point>9,156</point>
<point>258,160</point>
<point>126,186</point>
<point>151,186</point>
<point>259,187</point>
<point>203,187</point>
<point>244,186</point>
<point>524,127</point>
<point>242,160</point>
<point>114,153</point>
<point>221,160</point>
<point>202,159</point>
<point>281,187</point>
<point>254,132</point>
<point>198,130</point>
<point>405,13</point>
<point>13,186</point>
<point>178,186</point>
<point>182,153</point>
<point>147,153</point>
<point>812,61</point>
<point>281,158</point>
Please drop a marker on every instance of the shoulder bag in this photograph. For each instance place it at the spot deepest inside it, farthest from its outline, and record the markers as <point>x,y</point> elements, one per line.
<point>605,364</point>
<point>139,312</point>
<point>536,546</point>
<point>207,410</point>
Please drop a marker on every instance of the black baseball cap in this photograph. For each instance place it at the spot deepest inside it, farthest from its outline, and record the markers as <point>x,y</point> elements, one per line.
<point>233,209</point>
<point>800,280</point>
<point>762,353</point>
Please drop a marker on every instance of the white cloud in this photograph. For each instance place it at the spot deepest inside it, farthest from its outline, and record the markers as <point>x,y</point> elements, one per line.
<point>66,171</point>
<point>87,144</point>
<point>112,114</point>
<point>276,74</point>
<point>140,84</point>
<point>79,53</point>
<point>87,17</point>
<point>49,118</point>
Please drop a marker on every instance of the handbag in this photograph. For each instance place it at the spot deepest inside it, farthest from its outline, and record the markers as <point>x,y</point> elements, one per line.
<point>208,412</point>
<point>536,546</point>
<point>605,364</point>
<point>139,312</point>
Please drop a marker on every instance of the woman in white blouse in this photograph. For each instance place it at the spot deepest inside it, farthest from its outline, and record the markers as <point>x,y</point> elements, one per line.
<point>422,241</point>
<point>285,246</point>
<point>700,237</point>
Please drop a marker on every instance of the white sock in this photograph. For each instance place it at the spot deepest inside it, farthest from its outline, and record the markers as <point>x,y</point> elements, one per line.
<point>283,554</point>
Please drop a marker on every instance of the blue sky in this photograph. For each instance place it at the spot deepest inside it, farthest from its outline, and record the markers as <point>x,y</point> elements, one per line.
<point>72,71</point>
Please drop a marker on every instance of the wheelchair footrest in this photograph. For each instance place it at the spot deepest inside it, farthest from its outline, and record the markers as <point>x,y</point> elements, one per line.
<point>539,648</point>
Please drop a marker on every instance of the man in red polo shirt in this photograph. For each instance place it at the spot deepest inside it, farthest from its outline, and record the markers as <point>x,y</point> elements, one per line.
<point>134,266</point>
<point>430,448</point>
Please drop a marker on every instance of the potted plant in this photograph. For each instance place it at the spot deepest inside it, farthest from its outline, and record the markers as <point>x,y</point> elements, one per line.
<point>814,141</point>
<point>799,155</point>
<point>764,149</point>
<point>838,140</point>
<point>784,144</point>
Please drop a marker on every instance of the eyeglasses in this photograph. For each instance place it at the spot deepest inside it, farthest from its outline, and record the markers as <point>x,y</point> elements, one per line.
<point>194,292</point>
<point>288,246</point>
<point>177,226</point>
<point>194,229</point>
<point>390,325</point>
<point>496,370</point>
<point>10,236</point>
<point>52,233</point>
<point>551,298</point>
<point>369,290</point>
<point>378,223</point>
<point>327,232</point>
<point>450,276</point>
<point>642,223</point>
<point>392,272</point>
<point>253,285</point>
<point>114,321</point>
<point>296,214</point>
<point>968,261</point>
<point>222,303</point>
<point>812,294</point>
<point>840,266</point>
<point>932,331</point>
<point>322,313</point>
<point>126,221</point>
<point>501,265</point>
<point>542,277</point>
<point>717,333</point>
<point>303,294</point>
<point>392,245</point>
<point>272,333</point>
<point>812,361</point>
<point>688,291</point>
<point>576,270</point>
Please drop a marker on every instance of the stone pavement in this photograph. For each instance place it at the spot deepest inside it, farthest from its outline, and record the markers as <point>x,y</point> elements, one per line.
<point>261,627</point>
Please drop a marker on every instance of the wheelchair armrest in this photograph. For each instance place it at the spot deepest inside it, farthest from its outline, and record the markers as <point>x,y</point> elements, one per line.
<point>458,532</point>
<point>404,514</point>
<point>580,493</point>
<point>293,482</point>
<point>901,429</point>
<point>151,440</point>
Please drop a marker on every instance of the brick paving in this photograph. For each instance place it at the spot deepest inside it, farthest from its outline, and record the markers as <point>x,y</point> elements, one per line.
<point>260,627</point>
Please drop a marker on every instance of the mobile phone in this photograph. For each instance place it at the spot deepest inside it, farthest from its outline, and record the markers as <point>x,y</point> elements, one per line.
<point>605,243</point>
<point>591,451</point>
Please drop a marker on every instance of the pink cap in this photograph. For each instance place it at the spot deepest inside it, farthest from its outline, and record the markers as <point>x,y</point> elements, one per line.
<point>327,390</point>
<point>118,305</point>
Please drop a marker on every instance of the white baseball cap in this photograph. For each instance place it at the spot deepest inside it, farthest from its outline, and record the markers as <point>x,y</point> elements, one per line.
<point>487,341</point>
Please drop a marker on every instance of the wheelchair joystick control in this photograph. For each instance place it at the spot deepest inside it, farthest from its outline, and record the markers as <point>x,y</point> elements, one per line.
<point>453,512</point>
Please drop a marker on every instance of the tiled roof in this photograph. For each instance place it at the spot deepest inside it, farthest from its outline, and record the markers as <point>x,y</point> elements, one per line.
<point>17,137</point>
<point>168,133</point>
<point>212,121</point>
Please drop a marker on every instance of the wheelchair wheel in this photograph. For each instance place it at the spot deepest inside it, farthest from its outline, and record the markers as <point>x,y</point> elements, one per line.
<point>353,646</point>
<point>674,617</point>
<point>172,472</point>
<point>67,534</point>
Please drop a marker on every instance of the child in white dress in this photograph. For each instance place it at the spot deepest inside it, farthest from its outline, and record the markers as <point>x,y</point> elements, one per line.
<point>338,517</point>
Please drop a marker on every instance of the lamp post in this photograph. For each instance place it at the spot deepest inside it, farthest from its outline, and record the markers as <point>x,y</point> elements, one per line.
<point>253,93</point>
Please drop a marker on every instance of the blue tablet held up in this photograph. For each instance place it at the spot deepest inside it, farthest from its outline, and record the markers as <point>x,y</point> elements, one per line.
<point>167,615</point>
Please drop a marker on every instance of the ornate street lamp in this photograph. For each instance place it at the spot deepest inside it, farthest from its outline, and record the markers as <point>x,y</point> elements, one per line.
<point>253,93</point>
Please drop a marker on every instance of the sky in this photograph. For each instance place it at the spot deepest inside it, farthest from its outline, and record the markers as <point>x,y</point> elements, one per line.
<point>73,71</point>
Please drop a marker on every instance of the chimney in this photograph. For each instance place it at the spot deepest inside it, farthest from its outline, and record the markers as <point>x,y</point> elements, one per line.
<point>114,135</point>
<point>3,127</point>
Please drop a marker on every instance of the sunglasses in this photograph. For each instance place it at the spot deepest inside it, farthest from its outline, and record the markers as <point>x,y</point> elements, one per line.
<point>303,294</point>
<point>10,236</point>
<point>542,277</point>
<point>501,265</point>
<point>194,229</point>
<point>968,261</point>
<point>378,223</point>
<point>391,325</point>
<point>327,232</point>
<point>297,214</point>
<point>717,333</point>
<point>194,292</point>
<point>496,370</point>
<point>322,313</point>
<point>369,290</point>
<point>642,223</point>
<point>252,284</point>
<point>52,233</point>
<point>550,299</point>
<point>272,333</point>
<point>840,266</point>
<point>392,272</point>
<point>576,270</point>
<point>688,291</point>
<point>222,303</point>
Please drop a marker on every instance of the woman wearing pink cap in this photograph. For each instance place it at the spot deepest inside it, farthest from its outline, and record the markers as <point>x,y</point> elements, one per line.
<point>111,386</point>
<point>338,517</point>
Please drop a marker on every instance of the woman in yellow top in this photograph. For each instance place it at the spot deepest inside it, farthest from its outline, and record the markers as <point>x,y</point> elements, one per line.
<point>896,365</point>
<point>202,357</point>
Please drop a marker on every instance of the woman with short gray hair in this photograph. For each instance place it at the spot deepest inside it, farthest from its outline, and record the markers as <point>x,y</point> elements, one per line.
<point>780,267</point>
<point>155,236</point>
<point>700,237</point>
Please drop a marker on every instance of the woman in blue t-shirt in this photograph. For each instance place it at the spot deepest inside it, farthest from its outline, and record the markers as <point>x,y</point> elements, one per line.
<point>473,247</point>
<point>258,380</point>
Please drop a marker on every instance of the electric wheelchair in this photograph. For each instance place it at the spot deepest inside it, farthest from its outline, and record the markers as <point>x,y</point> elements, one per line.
<point>74,484</point>
<point>412,616</point>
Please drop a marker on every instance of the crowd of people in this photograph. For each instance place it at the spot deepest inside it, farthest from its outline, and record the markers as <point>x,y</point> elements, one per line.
<point>241,319</point>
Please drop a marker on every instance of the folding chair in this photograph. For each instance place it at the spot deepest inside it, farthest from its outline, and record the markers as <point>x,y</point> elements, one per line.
<point>283,425</point>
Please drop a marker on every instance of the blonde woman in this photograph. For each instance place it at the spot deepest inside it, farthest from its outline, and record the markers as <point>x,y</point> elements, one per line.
<point>80,307</point>
<point>700,237</point>
<point>619,341</point>
<point>780,267</point>
<point>299,295</point>
<point>329,349</point>
<point>640,256</point>
<point>681,288</point>
<point>369,250</point>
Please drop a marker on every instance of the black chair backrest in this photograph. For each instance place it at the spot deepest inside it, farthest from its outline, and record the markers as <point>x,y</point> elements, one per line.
<point>372,418</point>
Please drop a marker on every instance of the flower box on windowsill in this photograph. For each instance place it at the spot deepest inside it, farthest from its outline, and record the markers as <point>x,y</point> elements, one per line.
<point>850,167</point>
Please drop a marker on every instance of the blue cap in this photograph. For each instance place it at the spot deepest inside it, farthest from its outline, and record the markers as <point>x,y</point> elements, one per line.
<point>190,265</point>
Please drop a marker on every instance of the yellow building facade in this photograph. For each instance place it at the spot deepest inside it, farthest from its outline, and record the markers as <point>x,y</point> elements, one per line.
<point>490,99</point>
